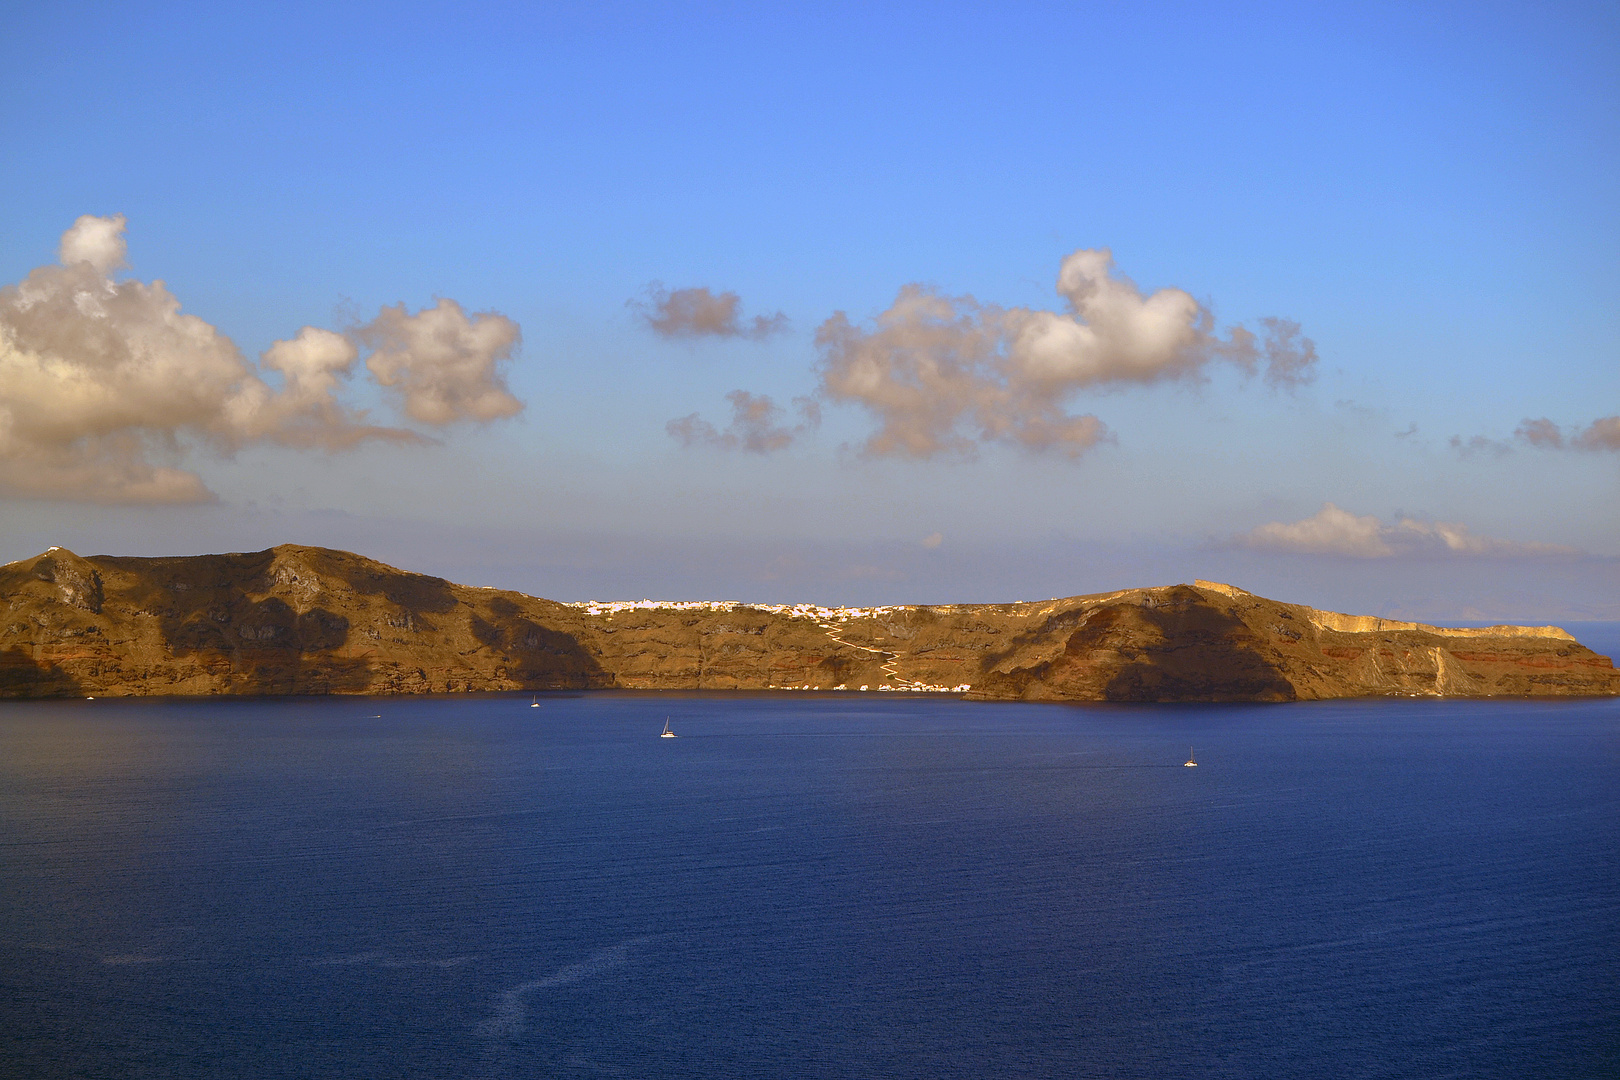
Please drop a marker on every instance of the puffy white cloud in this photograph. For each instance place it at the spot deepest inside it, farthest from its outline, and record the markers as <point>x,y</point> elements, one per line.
<point>105,383</point>
<point>98,241</point>
<point>935,365</point>
<point>98,376</point>
<point>305,412</point>
<point>942,375</point>
<point>444,363</point>
<point>756,425</point>
<point>1332,531</point>
<point>697,312</point>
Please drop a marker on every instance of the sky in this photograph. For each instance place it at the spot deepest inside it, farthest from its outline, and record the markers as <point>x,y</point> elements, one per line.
<point>844,304</point>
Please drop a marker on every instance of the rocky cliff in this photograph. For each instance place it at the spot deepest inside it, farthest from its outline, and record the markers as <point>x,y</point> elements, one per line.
<point>298,620</point>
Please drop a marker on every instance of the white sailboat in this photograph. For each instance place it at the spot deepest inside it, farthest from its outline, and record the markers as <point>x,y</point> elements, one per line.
<point>667,734</point>
<point>1191,762</point>
<point>536,704</point>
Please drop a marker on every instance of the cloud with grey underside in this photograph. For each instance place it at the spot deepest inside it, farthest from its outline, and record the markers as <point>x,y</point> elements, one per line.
<point>698,313</point>
<point>757,425</point>
<point>1338,532</point>
<point>106,386</point>
<point>1543,433</point>
<point>1601,434</point>
<point>941,376</point>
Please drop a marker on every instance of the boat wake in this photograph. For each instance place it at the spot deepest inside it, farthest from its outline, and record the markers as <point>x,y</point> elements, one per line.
<point>511,1013</point>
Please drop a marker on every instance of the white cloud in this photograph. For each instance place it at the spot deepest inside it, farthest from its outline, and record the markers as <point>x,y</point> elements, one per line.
<point>942,375</point>
<point>756,425</point>
<point>697,312</point>
<point>105,384</point>
<point>1332,531</point>
<point>98,241</point>
<point>1600,434</point>
<point>445,364</point>
<point>305,412</point>
<point>1544,434</point>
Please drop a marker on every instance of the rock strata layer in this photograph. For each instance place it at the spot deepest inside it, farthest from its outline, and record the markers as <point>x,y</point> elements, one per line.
<point>300,620</point>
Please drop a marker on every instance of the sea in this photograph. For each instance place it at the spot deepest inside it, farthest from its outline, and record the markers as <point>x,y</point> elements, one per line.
<point>807,885</point>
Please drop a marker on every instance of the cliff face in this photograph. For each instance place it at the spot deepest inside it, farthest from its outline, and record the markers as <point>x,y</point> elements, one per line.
<point>296,620</point>
<point>290,620</point>
<point>1211,642</point>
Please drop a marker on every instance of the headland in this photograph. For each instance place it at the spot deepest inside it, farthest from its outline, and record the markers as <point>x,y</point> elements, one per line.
<point>306,620</point>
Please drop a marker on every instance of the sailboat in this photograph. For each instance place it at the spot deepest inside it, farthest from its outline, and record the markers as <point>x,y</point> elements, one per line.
<point>1190,763</point>
<point>667,734</point>
<point>536,704</point>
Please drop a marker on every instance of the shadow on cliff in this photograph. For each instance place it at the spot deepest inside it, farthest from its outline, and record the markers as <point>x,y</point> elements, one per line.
<point>834,669</point>
<point>267,646</point>
<point>1177,649</point>
<point>21,676</point>
<point>537,656</point>
<point>252,646</point>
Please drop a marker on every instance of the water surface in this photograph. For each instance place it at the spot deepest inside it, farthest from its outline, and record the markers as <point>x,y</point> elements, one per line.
<point>808,886</point>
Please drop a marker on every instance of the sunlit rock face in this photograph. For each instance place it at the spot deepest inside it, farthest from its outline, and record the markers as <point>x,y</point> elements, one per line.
<point>298,620</point>
<point>1212,642</point>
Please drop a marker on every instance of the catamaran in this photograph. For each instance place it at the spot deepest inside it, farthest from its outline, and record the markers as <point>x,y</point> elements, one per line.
<point>536,704</point>
<point>667,734</point>
<point>1190,763</point>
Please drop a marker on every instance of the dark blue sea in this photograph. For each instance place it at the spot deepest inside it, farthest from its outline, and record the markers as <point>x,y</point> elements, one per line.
<point>808,886</point>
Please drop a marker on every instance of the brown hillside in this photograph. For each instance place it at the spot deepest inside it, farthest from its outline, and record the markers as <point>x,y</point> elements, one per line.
<point>298,620</point>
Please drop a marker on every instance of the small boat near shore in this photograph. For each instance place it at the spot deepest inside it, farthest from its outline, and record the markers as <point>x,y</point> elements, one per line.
<point>666,733</point>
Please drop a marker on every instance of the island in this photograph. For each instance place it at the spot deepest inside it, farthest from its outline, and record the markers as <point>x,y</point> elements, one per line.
<point>308,620</point>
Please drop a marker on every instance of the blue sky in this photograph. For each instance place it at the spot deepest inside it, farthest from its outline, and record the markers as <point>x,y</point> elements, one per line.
<point>1429,192</point>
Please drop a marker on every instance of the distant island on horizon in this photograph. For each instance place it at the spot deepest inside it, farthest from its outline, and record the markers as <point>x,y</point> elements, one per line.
<point>307,620</point>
